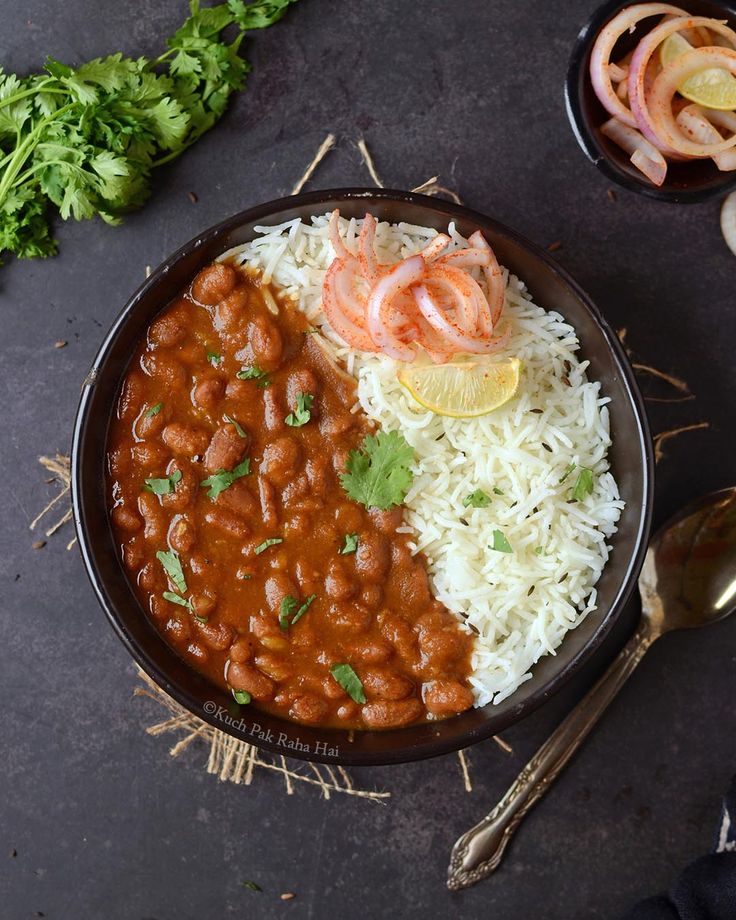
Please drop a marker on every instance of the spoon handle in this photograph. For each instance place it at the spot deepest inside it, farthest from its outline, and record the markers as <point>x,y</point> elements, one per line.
<point>479,851</point>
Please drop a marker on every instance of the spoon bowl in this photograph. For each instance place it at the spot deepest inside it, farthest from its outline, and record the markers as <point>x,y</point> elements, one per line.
<point>689,574</point>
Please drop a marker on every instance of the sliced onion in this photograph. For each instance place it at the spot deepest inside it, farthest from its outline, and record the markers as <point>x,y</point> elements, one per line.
<point>728,221</point>
<point>644,155</point>
<point>397,279</point>
<point>334,232</point>
<point>338,275</point>
<point>646,121</point>
<point>465,258</point>
<point>495,283</point>
<point>616,73</point>
<point>449,330</point>
<point>721,119</point>
<point>366,249</point>
<point>693,124</point>
<point>435,246</point>
<point>665,87</point>
<point>600,56</point>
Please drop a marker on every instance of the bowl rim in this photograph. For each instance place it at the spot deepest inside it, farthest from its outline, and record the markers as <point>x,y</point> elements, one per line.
<point>584,132</point>
<point>449,210</point>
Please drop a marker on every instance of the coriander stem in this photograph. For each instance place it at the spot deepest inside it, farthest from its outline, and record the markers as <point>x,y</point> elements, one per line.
<point>9,100</point>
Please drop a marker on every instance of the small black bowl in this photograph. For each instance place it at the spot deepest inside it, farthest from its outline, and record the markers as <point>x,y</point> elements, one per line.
<point>631,461</point>
<point>691,181</point>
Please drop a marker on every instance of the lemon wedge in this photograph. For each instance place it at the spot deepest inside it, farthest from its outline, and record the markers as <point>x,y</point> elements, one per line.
<point>714,87</point>
<point>462,389</point>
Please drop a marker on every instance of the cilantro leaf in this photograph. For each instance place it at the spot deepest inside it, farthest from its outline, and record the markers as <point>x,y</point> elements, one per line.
<point>176,599</point>
<point>271,541</point>
<point>349,681</point>
<point>301,415</point>
<point>568,470</point>
<point>379,474</point>
<point>223,479</point>
<point>163,486</point>
<point>583,484</point>
<point>250,373</point>
<point>303,609</point>
<point>288,606</point>
<point>242,697</point>
<point>172,566</point>
<point>154,410</point>
<point>214,359</point>
<point>477,499</point>
<point>238,427</point>
<point>500,543</point>
<point>350,544</point>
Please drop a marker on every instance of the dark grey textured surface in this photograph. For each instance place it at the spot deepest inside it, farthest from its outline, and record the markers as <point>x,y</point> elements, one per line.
<point>104,823</point>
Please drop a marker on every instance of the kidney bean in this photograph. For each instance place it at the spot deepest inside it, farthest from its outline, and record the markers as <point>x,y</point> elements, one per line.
<point>148,576</point>
<point>182,534</point>
<point>445,697</point>
<point>131,397</point>
<point>321,479</point>
<point>133,553</point>
<point>185,491</point>
<point>267,494</point>
<point>160,609</point>
<point>177,630</point>
<point>275,666</point>
<point>391,713</point>
<point>372,596</point>
<point>148,455</point>
<point>213,283</point>
<point>347,711</point>
<point>184,440</point>
<point>169,329</point>
<point>387,521</point>
<point>274,410</point>
<point>295,493</point>
<point>298,526</point>
<point>277,587</point>
<point>263,625</point>
<point>231,312</point>
<point>243,676</point>
<point>330,688</point>
<point>441,649</point>
<point>148,426</point>
<point>307,575</point>
<point>126,519</point>
<point>373,557</point>
<point>118,461</point>
<point>385,685</point>
<point>414,587</point>
<point>204,603</point>
<point>308,708</point>
<point>227,522</point>
<point>240,499</point>
<point>208,393</point>
<point>399,633</point>
<point>281,460</point>
<point>265,343</point>
<point>338,584</point>
<point>154,522</point>
<point>337,423</point>
<point>371,651</point>
<point>301,381</point>
<point>216,636</point>
<point>350,616</point>
<point>164,369</point>
<point>348,517</point>
<point>226,449</point>
<point>275,643</point>
<point>242,649</point>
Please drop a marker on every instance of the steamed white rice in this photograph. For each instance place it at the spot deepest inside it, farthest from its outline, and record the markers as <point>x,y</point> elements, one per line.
<point>521,604</point>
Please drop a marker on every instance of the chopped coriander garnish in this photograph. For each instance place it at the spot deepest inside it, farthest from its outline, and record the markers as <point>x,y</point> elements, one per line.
<point>350,544</point>
<point>349,681</point>
<point>250,373</point>
<point>272,541</point>
<point>500,543</point>
<point>311,331</point>
<point>303,609</point>
<point>252,886</point>
<point>477,499</point>
<point>568,470</point>
<point>583,484</point>
<point>262,384</point>
<point>176,599</point>
<point>301,415</point>
<point>379,474</point>
<point>214,359</point>
<point>172,566</point>
<point>238,427</point>
<point>242,697</point>
<point>538,550</point>
<point>497,491</point>
<point>223,479</point>
<point>154,410</point>
<point>288,606</point>
<point>163,486</point>
<point>200,619</point>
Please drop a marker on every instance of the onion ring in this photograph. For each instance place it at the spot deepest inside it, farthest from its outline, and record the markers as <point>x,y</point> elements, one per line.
<point>600,56</point>
<point>435,246</point>
<point>341,250</point>
<point>398,278</point>
<point>336,310</point>
<point>449,330</point>
<point>665,87</point>
<point>495,284</point>
<point>692,123</point>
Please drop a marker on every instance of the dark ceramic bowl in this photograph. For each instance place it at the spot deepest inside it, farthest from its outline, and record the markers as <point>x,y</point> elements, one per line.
<point>631,458</point>
<point>695,180</point>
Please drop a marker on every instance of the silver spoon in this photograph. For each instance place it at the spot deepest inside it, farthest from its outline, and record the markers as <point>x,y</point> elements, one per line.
<point>688,579</point>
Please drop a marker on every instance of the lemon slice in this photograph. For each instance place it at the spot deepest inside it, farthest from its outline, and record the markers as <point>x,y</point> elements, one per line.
<point>714,87</point>
<point>462,389</point>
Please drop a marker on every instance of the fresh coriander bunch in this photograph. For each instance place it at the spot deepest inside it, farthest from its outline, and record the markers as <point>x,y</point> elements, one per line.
<point>84,140</point>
